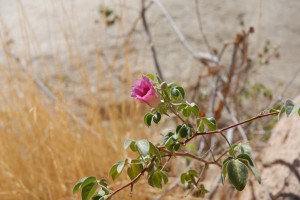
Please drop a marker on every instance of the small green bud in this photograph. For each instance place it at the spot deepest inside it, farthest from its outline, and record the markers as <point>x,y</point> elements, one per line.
<point>163,85</point>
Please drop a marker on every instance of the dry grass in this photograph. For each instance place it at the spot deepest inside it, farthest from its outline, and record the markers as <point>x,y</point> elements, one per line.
<point>46,146</point>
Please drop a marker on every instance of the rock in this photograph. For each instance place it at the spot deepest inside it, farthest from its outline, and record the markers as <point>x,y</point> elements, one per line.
<point>280,168</point>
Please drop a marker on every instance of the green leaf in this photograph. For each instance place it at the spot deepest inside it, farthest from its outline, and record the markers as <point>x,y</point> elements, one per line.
<point>295,109</point>
<point>183,178</point>
<point>181,90</point>
<point>237,174</point>
<point>210,122</point>
<point>151,76</point>
<point>134,170</point>
<point>88,180</point>
<point>117,169</point>
<point>183,131</point>
<point>175,92</point>
<point>227,159</point>
<point>193,172</point>
<point>156,118</point>
<point>155,180</point>
<point>246,149</point>
<point>148,119</point>
<point>133,146</point>
<point>176,146</point>
<point>154,151</point>
<point>224,172</point>
<point>167,137</point>
<point>164,176</point>
<point>127,143</point>
<point>181,107</point>
<point>88,191</point>
<point>289,105</point>
<point>200,125</point>
<point>232,149</point>
<point>187,111</point>
<point>103,182</point>
<point>245,158</point>
<point>143,146</point>
<point>79,183</point>
<point>194,108</point>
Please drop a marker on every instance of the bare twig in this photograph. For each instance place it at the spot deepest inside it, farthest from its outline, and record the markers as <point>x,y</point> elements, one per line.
<point>201,28</point>
<point>150,41</point>
<point>196,54</point>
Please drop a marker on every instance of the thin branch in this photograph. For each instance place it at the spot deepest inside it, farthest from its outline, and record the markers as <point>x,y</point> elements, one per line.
<point>226,139</point>
<point>229,127</point>
<point>187,154</point>
<point>150,41</point>
<point>197,55</point>
<point>132,181</point>
<point>201,28</point>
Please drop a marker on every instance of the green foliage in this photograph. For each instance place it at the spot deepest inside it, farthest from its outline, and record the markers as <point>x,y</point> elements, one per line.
<point>157,179</point>
<point>152,159</point>
<point>117,169</point>
<point>188,108</point>
<point>236,166</point>
<point>148,118</point>
<point>289,108</point>
<point>237,174</point>
<point>184,130</point>
<point>189,178</point>
<point>134,169</point>
<point>208,122</point>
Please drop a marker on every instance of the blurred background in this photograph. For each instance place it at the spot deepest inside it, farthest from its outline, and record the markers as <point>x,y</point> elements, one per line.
<point>67,67</point>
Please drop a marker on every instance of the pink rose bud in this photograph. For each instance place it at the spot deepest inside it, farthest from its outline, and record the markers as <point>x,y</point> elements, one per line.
<point>143,90</point>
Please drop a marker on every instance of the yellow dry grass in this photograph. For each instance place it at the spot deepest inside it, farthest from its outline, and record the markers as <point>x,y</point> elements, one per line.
<point>47,145</point>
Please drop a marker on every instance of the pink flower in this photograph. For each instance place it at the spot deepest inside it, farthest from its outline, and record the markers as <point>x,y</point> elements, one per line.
<point>143,90</point>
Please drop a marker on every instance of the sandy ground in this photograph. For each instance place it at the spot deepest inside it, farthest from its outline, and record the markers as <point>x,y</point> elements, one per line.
<point>53,29</point>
